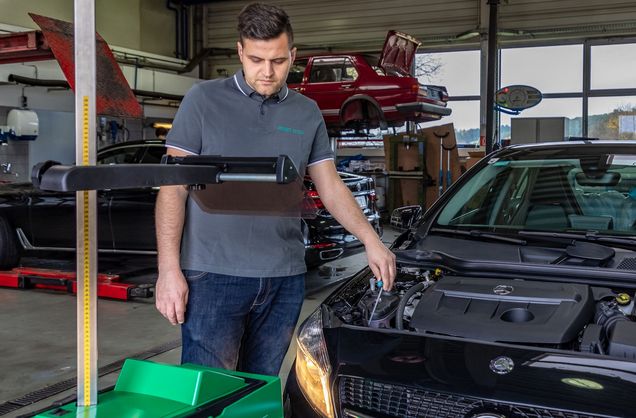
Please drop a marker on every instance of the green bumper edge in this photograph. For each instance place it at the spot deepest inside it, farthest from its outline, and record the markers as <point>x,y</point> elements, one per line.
<point>146,390</point>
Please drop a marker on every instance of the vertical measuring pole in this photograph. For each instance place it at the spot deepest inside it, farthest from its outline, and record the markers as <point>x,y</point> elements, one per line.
<point>85,143</point>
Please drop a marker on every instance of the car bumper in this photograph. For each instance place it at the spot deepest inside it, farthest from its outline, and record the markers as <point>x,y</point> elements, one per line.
<point>317,256</point>
<point>338,234</point>
<point>296,406</point>
<point>421,107</point>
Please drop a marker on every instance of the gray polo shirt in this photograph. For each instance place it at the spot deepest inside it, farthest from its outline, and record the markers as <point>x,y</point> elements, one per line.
<point>227,117</point>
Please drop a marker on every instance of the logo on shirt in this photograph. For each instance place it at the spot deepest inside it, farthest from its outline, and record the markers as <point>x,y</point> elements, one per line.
<point>290,130</point>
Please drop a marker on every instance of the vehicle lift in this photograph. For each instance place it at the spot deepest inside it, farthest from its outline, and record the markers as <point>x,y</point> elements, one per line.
<point>150,389</point>
<point>108,285</point>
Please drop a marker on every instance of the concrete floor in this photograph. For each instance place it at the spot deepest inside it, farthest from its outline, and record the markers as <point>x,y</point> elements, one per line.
<point>38,335</point>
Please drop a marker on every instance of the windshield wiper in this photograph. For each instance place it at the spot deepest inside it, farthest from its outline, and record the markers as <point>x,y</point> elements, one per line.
<point>588,236</point>
<point>479,234</point>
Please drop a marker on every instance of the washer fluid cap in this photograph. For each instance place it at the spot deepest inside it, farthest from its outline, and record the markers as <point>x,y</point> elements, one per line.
<point>623,299</point>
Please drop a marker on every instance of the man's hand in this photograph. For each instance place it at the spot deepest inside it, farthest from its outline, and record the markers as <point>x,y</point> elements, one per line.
<point>171,288</point>
<point>382,263</point>
<point>172,296</point>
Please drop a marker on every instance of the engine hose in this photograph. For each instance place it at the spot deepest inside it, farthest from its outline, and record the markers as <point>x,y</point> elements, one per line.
<point>399,318</point>
<point>607,315</point>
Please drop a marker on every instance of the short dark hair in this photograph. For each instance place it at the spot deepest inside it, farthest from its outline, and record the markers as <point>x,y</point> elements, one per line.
<point>160,131</point>
<point>263,22</point>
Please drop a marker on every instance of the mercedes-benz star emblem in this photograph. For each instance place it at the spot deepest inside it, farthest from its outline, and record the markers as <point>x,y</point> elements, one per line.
<point>503,289</point>
<point>502,365</point>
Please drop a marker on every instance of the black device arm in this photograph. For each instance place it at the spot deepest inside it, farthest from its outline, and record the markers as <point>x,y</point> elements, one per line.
<point>188,170</point>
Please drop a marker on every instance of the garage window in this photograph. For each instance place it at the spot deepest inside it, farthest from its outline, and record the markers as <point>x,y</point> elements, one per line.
<point>564,107</point>
<point>606,110</point>
<point>612,101</point>
<point>551,69</point>
<point>613,66</point>
<point>602,106</point>
<point>450,69</point>
<point>557,71</point>
<point>612,117</point>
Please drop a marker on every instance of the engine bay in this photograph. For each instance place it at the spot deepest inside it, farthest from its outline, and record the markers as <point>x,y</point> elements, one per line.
<point>569,316</point>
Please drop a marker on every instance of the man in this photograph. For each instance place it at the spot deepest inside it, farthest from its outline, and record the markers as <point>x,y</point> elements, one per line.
<point>236,283</point>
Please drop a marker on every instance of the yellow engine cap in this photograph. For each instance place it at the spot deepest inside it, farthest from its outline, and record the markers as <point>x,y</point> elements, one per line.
<point>623,299</point>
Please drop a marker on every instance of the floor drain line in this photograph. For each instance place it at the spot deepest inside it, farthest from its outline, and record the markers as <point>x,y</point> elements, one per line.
<point>54,389</point>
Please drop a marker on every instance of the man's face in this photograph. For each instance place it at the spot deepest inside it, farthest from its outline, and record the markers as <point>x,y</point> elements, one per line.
<point>266,63</point>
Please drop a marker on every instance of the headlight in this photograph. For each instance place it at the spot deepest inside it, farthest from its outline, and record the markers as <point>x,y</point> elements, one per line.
<point>312,365</point>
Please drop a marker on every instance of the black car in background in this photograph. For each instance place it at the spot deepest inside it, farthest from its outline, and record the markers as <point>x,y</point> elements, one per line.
<point>35,220</point>
<point>325,238</point>
<point>514,299</point>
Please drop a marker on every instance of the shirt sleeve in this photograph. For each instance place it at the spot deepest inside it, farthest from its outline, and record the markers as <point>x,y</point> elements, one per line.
<point>186,132</point>
<point>320,149</point>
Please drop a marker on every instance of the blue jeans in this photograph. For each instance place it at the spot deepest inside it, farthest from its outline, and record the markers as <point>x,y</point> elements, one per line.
<point>240,323</point>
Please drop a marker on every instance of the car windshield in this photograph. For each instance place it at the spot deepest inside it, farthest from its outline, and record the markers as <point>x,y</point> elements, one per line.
<point>592,192</point>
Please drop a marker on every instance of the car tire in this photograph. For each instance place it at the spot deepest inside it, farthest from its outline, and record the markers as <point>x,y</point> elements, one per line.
<point>360,114</point>
<point>9,251</point>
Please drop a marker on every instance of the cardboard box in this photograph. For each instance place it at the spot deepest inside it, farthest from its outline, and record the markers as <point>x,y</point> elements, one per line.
<point>434,142</point>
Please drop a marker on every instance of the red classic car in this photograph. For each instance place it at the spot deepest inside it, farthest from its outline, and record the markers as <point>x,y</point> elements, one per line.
<point>360,91</point>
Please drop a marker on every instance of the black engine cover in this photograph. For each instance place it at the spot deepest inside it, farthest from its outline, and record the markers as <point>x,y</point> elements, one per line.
<point>503,310</point>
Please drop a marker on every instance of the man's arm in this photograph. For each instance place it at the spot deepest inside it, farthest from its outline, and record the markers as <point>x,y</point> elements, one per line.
<point>171,288</point>
<point>340,203</point>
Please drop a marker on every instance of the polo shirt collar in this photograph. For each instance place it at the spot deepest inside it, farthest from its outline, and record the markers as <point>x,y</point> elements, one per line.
<point>241,84</point>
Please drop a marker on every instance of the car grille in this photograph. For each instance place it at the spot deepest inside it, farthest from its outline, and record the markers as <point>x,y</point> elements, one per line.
<point>627,264</point>
<point>391,400</point>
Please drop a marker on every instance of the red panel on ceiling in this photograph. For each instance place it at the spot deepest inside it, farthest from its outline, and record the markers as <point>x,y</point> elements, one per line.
<point>114,96</point>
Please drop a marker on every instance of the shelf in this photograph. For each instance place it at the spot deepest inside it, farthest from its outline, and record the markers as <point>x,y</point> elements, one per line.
<point>372,173</point>
<point>406,174</point>
<point>367,152</point>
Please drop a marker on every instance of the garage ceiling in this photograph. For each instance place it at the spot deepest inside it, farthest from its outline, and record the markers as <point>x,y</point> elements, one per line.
<point>569,19</point>
<point>354,24</point>
<point>360,25</point>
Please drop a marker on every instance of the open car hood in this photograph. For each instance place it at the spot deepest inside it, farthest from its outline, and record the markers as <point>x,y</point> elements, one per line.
<point>398,53</point>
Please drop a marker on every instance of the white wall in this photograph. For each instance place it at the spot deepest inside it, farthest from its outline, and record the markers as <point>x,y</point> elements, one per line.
<point>56,140</point>
<point>38,98</point>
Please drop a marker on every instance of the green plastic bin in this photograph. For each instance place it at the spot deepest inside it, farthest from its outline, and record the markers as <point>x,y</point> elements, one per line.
<point>147,390</point>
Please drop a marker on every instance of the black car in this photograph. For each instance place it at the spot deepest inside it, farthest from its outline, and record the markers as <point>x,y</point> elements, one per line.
<point>514,298</point>
<point>325,238</point>
<point>35,220</point>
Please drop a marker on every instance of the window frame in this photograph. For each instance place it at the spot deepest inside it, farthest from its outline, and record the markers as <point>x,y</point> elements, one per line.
<point>584,94</point>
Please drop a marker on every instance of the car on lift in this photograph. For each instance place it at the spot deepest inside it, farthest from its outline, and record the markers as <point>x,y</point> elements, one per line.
<point>39,221</point>
<point>514,297</point>
<point>361,91</point>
